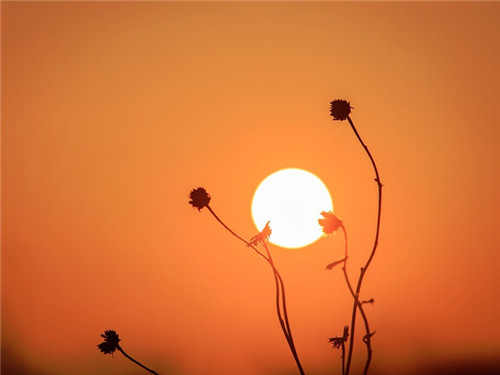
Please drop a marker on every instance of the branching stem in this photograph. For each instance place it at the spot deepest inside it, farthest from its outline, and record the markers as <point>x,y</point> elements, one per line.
<point>280,290</point>
<point>356,305</point>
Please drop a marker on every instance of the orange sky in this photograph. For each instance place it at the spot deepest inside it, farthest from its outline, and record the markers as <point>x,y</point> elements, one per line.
<point>112,112</point>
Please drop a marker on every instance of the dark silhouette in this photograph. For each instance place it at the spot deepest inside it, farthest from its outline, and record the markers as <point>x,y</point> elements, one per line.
<point>262,236</point>
<point>330,224</point>
<point>340,111</point>
<point>200,199</point>
<point>339,342</point>
<point>111,344</point>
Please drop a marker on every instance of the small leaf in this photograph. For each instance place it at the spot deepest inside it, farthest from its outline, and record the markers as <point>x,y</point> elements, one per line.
<point>331,265</point>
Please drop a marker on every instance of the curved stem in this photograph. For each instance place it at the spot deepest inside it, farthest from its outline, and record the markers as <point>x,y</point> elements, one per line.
<point>358,303</point>
<point>284,325</point>
<point>291,344</point>
<point>136,362</point>
<point>278,305</point>
<point>368,335</point>
<point>234,234</point>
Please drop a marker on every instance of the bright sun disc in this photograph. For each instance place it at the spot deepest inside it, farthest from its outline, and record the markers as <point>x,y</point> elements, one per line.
<point>293,200</point>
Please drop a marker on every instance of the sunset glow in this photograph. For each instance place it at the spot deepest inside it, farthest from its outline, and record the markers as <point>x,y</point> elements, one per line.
<point>292,200</point>
<point>113,112</point>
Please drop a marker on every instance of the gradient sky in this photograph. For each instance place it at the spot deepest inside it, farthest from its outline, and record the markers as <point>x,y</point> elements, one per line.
<point>112,112</point>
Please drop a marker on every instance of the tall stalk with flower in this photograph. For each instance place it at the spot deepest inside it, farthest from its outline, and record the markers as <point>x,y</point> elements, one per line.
<point>340,111</point>
<point>201,199</point>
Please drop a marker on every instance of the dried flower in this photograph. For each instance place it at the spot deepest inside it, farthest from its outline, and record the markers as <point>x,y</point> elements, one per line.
<point>330,222</point>
<point>340,109</point>
<point>262,236</point>
<point>110,343</point>
<point>338,341</point>
<point>199,198</point>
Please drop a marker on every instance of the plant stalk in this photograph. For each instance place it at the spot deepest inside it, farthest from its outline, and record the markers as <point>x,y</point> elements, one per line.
<point>285,325</point>
<point>136,362</point>
<point>367,338</point>
<point>291,343</point>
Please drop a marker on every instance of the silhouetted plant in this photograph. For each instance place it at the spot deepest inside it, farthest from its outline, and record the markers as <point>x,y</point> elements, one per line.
<point>330,223</point>
<point>340,111</point>
<point>339,342</point>
<point>201,199</point>
<point>111,344</point>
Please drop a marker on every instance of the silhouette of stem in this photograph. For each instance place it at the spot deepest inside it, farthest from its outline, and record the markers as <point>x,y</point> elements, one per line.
<point>234,234</point>
<point>278,307</point>
<point>355,296</point>
<point>278,300</point>
<point>367,338</point>
<point>343,358</point>
<point>288,331</point>
<point>133,360</point>
<point>285,325</point>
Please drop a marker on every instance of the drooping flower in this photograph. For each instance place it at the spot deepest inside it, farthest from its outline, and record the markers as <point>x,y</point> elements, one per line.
<point>340,109</point>
<point>199,198</point>
<point>338,341</point>
<point>262,236</point>
<point>330,222</point>
<point>110,343</point>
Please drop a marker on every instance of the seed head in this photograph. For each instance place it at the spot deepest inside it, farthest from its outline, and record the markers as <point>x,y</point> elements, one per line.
<point>199,198</point>
<point>110,343</point>
<point>340,109</point>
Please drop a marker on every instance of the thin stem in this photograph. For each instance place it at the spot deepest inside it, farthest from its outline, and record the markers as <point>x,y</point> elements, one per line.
<point>136,362</point>
<point>356,300</point>
<point>286,326</point>
<point>291,343</point>
<point>343,358</point>
<point>278,300</point>
<point>367,338</point>
<point>234,234</point>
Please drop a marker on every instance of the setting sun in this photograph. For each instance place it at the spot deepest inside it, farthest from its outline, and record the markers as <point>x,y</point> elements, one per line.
<point>292,200</point>
<point>145,145</point>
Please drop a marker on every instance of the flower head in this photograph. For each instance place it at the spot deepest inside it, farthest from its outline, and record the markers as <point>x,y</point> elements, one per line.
<point>262,236</point>
<point>338,341</point>
<point>110,343</point>
<point>330,222</point>
<point>340,109</point>
<point>199,198</point>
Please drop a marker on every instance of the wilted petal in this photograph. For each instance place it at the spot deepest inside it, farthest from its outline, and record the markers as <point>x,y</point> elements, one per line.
<point>107,348</point>
<point>110,343</point>
<point>330,222</point>
<point>262,236</point>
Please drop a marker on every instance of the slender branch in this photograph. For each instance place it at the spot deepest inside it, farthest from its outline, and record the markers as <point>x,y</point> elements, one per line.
<point>367,338</point>
<point>343,358</point>
<point>234,234</point>
<point>291,343</point>
<point>278,300</point>
<point>356,299</point>
<point>136,362</point>
<point>286,326</point>
<point>356,303</point>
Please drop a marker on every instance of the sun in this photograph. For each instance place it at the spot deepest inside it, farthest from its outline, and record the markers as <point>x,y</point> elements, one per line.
<point>292,199</point>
